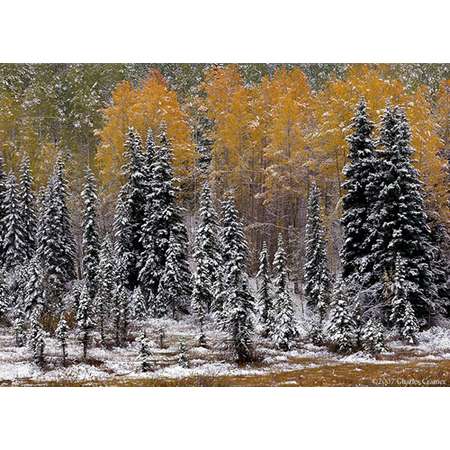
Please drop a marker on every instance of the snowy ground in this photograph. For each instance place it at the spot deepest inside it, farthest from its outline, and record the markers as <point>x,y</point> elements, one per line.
<point>425,364</point>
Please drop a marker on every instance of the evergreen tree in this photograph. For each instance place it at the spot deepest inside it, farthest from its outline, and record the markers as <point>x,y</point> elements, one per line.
<point>341,327</point>
<point>163,218</point>
<point>233,241</point>
<point>399,219</point>
<point>105,285</point>
<point>121,302</point>
<point>36,339</point>
<point>123,232</point>
<point>136,189</point>
<point>20,328</point>
<point>199,297</point>
<point>56,246</point>
<point>27,206</point>
<point>317,278</point>
<point>65,235</point>
<point>145,353</point>
<point>264,296</point>
<point>359,198</point>
<point>174,287</point>
<point>84,318</point>
<point>4,297</point>
<point>138,304</point>
<point>14,243</point>
<point>91,246</point>
<point>61,334</point>
<point>35,292</point>
<point>3,179</point>
<point>182,356</point>
<point>402,313</point>
<point>283,322</point>
<point>372,337</point>
<point>207,253</point>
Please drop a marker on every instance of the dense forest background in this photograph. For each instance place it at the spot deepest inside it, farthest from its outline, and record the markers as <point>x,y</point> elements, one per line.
<point>264,130</point>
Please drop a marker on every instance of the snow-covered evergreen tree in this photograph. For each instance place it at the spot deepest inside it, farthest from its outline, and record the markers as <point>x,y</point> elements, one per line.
<point>372,337</point>
<point>358,199</point>
<point>402,312</point>
<point>264,295</point>
<point>91,245</point>
<point>62,334</point>
<point>232,239</point>
<point>56,245</point>
<point>182,356</point>
<point>399,219</point>
<point>4,298</point>
<point>163,219</point>
<point>283,329</point>
<point>20,328</point>
<point>199,297</point>
<point>123,232</point>
<point>65,235</point>
<point>138,304</point>
<point>105,286</point>
<point>14,243</point>
<point>3,179</point>
<point>136,198</point>
<point>174,287</point>
<point>341,327</point>
<point>35,292</point>
<point>85,321</point>
<point>145,354</point>
<point>36,339</point>
<point>27,206</point>
<point>317,278</point>
<point>207,252</point>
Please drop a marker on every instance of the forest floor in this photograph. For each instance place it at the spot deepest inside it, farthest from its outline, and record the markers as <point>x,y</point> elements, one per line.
<point>427,364</point>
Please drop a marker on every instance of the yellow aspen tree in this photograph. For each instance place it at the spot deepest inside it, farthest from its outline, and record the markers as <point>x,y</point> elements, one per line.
<point>144,107</point>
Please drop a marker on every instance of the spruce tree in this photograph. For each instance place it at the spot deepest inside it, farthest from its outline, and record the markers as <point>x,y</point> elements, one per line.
<point>14,243</point>
<point>163,219</point>
<point>372,337</point>
<point>56,246</point>
<point>3,179</point>
<point>402,313</point>
<point>174,287</point>
<point>264,295</point>
<point>138,304</point>
<point>233,241</point>
<point>27,206</point>
<point>91,246</point>
<point>341,327</point>
<point>35,292</point>
<point>317,278</point>
<point>136,198</point>
<point>182,356</point>
<point>65,235</point>
<point>238,303</point>
<point>207,253</point>
<point>61,334</point>
<point>199,298</point>
<point>145,353</point>
<point>4,298</point>
<point>283,329</point>
<point>358,199</point>
<point>20,328</point>
<point>85,321</point>
<point>123,232</point>
<point>105,286</point>
<point>36,339</point>
<point>399,219</point>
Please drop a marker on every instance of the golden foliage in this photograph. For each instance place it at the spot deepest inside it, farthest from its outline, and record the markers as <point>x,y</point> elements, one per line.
<point>145,107</point>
